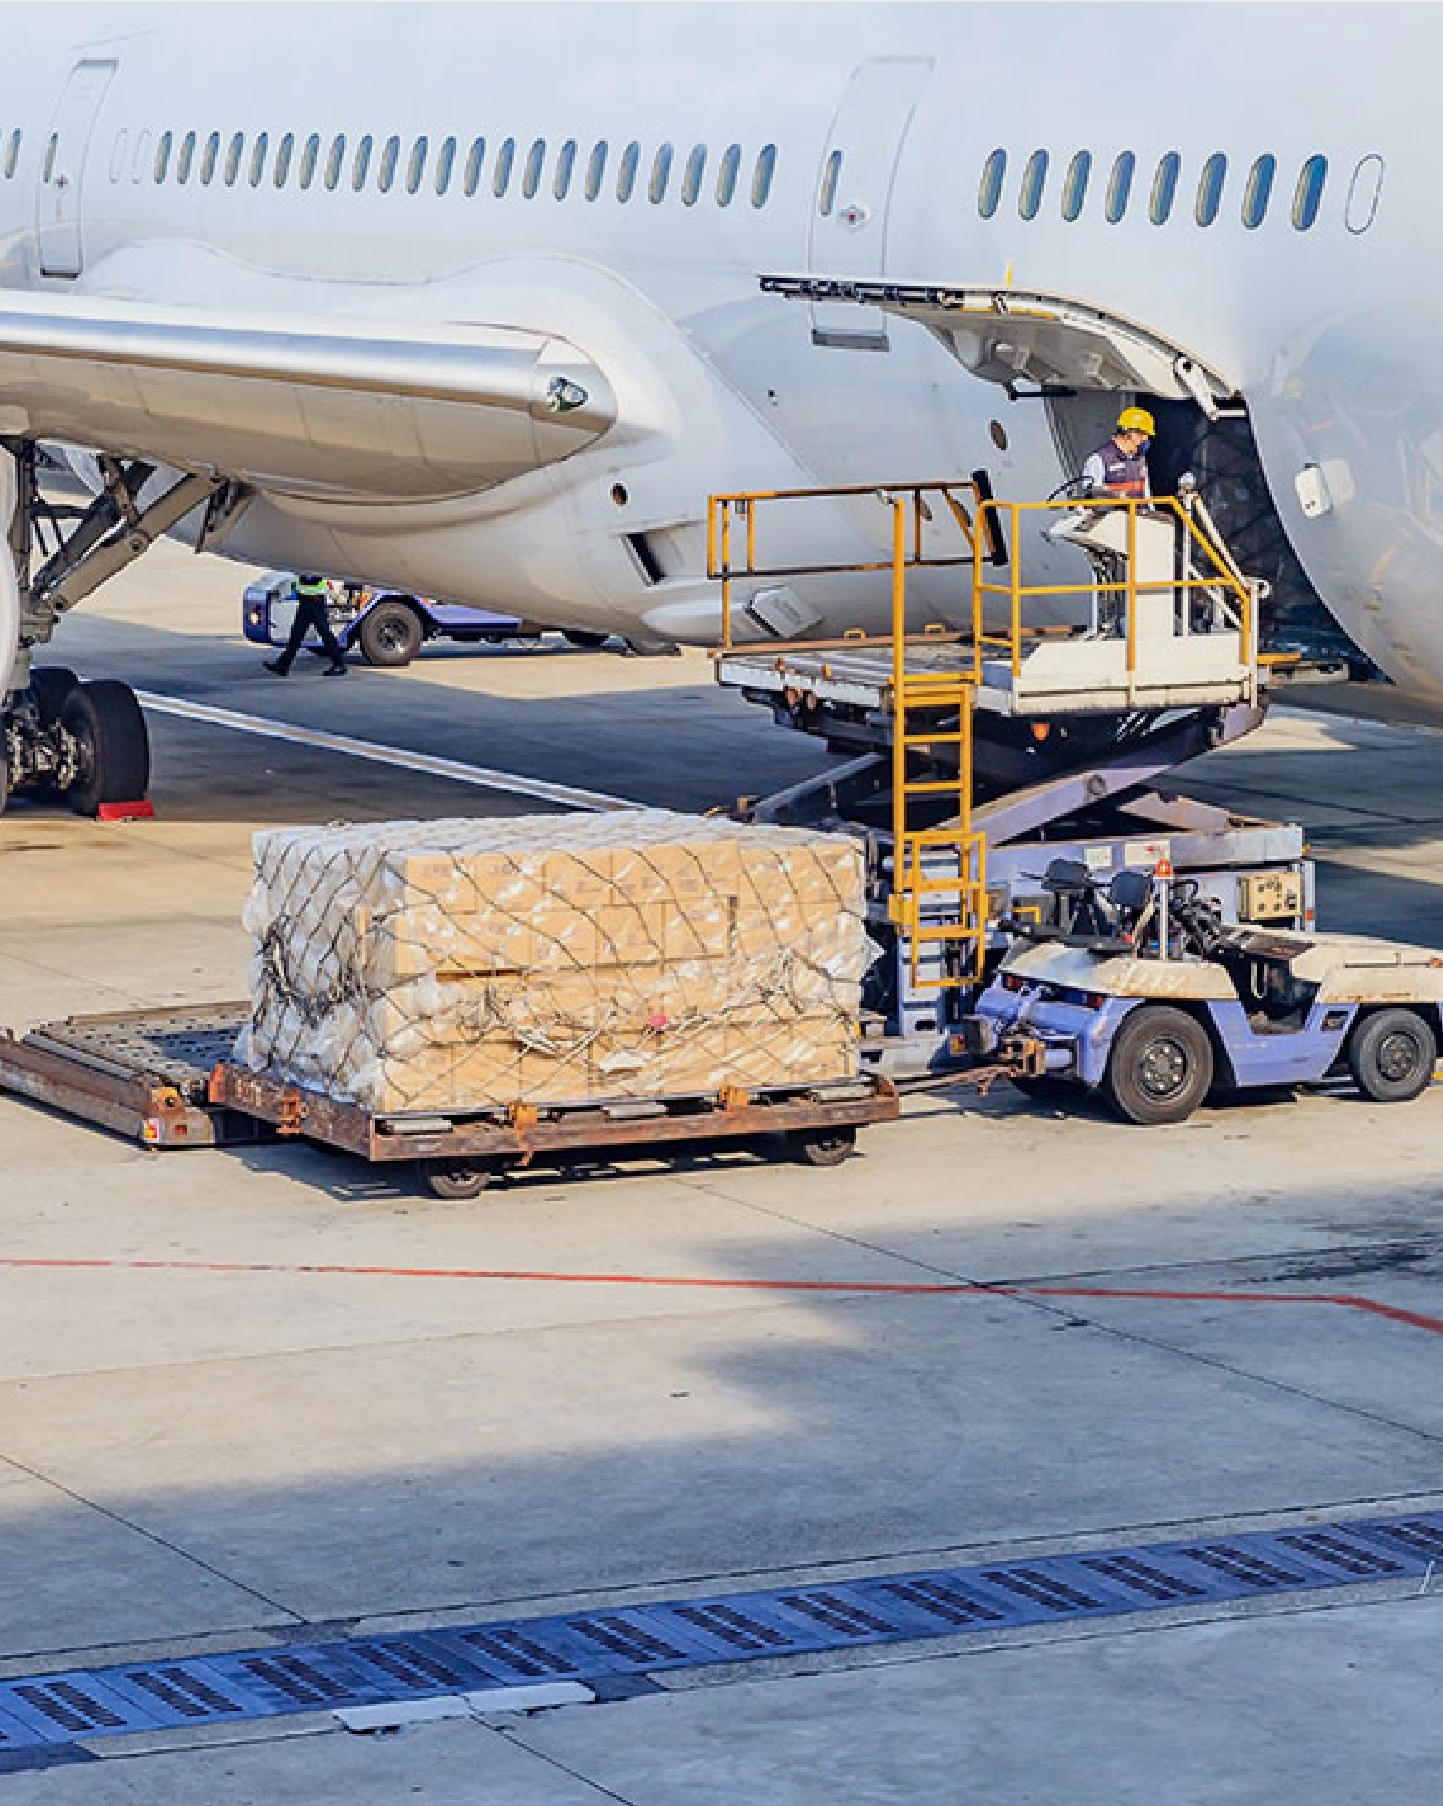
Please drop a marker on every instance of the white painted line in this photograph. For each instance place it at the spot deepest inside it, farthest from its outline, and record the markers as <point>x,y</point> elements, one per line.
<point>485,1700</point>
<point>394,1713</point>
<point>483,777</point>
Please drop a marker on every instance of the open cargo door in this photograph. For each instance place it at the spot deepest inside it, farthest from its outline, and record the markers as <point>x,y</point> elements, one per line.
<point>1026,336</point>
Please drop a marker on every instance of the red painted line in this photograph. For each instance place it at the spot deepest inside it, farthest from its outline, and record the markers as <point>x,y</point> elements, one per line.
<point>695,1282</point>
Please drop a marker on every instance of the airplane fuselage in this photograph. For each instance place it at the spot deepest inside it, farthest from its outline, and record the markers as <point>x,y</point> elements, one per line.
<point>619,178</point>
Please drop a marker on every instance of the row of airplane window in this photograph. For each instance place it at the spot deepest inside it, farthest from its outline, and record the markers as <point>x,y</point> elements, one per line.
<point>1207,202</point>
<point>289,160</point>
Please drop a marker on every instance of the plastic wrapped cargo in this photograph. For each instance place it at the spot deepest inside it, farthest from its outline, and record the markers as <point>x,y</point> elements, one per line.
<point>451,965</point>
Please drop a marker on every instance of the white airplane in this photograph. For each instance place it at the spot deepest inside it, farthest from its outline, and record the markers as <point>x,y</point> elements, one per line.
<point>466,300</point>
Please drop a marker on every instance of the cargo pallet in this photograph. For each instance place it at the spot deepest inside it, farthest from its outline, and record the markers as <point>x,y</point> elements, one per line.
<point>165,1077</point>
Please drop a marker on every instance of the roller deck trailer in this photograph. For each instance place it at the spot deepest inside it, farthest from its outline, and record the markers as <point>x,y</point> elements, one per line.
<point>165,1078</point>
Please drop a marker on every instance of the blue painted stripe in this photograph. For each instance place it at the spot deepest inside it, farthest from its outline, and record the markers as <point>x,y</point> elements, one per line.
<point>42,1715</point>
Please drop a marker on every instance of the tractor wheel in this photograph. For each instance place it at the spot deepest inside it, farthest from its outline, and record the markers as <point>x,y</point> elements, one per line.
<point>1161,1066</point>
<point>390,633</point>
<point>1391,1055</point>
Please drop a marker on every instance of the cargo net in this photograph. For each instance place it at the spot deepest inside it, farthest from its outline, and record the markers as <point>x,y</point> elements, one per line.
<point>454,965</point>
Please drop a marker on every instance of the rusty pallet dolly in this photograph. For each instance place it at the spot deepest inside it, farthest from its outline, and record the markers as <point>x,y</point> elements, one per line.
<point>143,1073</point>
<point>458,1154</point>
<point>164,1077</point>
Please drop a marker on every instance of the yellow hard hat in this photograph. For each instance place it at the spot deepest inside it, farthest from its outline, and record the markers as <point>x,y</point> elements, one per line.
<point>1137,420</point>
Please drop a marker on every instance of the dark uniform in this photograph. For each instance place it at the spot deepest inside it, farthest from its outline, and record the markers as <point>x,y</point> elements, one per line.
<point>311,616</point>
<point>1112,471</point>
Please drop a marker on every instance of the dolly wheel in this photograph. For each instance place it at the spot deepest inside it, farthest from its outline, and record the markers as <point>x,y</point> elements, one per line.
<point>823,1147</point>
<point>455,1178</point>
<point>1161,1066</point>
<point>1391,1056</point>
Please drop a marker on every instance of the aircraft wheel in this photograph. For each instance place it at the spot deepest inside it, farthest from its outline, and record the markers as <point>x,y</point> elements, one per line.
<point>1391,1055</point>
<point>1160,1068</point>
<point>51,686</point>
<point>113,748</point>
<point>391,633</point>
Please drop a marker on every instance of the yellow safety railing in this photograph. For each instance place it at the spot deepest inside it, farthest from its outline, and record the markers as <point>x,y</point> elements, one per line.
<point>1205,566</point>
<point>734,530</point>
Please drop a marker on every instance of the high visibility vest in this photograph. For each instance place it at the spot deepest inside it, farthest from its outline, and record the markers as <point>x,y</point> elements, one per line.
<point>312,586</point>
<point>1122,475</point>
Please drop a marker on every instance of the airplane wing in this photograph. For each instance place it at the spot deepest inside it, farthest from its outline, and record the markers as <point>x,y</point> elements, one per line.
<point>388,411</point>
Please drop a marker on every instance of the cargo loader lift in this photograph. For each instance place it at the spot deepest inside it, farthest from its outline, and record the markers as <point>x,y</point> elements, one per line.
<point>1020,721</point>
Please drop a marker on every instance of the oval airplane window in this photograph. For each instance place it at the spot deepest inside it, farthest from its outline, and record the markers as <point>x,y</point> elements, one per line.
<point>726,175</point>
<point>162,156</point>
<point>284,152</point>
<point>595,170</point>
<point>258,158</point>
<point>1119,187</point>
<point>565,163</point>
<point>1309,194</point>
<point>209,158</point>
<point>1259,190</point>
<point>762,180</point>
<point>12,155</point>
<point>390,156</point>
<point>117,155</point>
<point>1210,188</point>
<point>335,160</point>
<point>660,174</point>
<point>310,156</point>
<point>692,175</point>
<point>831,175</point>
<point>142,156</point>
<point>1164,188</point>
<point>501,174</point>
<point>416,167</point>
<point>531,171</point>
<point>186,158</point>
<point>361,163</point>
<point>626,171</point>
<point>1074,185</point>
<point>475,157</point>
<point>232,158</point>
<point>989,189</point>
<point>445,163</point>
<point>1034,180</point>
<point>1363,192</point>
<point>51,150</point>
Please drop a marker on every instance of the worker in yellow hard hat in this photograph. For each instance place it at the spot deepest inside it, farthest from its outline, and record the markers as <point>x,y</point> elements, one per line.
<point>1120,467</point>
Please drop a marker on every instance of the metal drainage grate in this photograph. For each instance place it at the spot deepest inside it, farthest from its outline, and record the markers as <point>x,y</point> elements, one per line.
<point>41,1714</point>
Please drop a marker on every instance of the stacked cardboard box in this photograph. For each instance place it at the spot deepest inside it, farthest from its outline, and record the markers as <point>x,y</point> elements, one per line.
<point>436,966</point>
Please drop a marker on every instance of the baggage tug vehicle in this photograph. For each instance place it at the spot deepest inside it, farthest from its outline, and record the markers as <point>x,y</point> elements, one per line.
<point>1140,991</point>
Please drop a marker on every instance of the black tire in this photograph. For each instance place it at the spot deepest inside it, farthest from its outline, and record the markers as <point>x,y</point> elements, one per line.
<point>1161,1066</point>
<point>1391,1055</point>
<point>51,687</point>
<point>1046,1088</point>
<point>453,1179</point>
<point>587,641</point>
<point>390,633</point>
<point>112,746</point>
<point>823,1147</point>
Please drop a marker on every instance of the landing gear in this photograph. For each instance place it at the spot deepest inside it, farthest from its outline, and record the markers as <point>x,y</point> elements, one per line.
<point>85,742</point>
<point>81,743</point>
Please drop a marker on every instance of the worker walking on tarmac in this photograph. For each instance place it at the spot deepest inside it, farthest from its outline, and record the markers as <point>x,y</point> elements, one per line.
<point>311,616</point>
<point>1119,468</point>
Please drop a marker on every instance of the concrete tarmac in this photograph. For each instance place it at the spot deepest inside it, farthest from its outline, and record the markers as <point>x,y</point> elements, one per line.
<point>196,1457</point>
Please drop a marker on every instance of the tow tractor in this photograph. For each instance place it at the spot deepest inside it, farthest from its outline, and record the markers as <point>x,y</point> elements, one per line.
<point>1140,991</point>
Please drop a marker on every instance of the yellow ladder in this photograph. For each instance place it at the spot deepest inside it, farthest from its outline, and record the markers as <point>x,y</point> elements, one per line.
<point>930,864</point>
